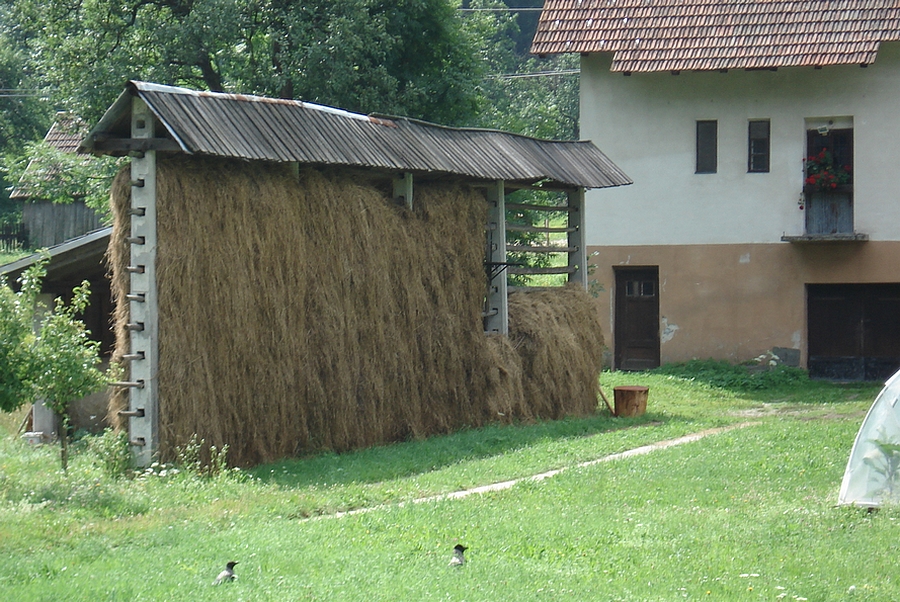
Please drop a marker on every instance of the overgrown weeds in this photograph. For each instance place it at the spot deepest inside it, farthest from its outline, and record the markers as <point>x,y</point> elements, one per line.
<point>736,377</point>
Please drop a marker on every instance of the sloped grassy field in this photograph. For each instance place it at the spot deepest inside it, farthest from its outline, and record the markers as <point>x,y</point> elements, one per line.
<point>745,514</point>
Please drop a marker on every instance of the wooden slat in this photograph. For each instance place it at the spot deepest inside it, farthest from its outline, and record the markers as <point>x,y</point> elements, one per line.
<point>525,207</point>
<point>541,249</point>
<point>126,145</point>
<point>533,271</point>
<point>532,289</point>
<point>518,228</point>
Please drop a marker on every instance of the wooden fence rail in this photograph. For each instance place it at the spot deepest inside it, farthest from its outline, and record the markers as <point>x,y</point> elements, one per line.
<point>13,237</point>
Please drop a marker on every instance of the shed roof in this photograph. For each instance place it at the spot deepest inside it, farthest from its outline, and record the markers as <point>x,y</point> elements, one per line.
<point>706,35</point>
<point>74,259</point>
<point>269,129</point>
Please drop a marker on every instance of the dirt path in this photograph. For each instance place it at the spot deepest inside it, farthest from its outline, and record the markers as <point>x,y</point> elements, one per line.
<point>638,451</point>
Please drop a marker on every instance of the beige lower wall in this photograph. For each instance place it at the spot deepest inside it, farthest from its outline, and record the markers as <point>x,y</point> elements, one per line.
<point>737,301</point>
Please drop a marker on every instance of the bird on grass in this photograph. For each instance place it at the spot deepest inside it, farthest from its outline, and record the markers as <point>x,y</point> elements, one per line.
<point>227,574</point>
<point>458,559</point>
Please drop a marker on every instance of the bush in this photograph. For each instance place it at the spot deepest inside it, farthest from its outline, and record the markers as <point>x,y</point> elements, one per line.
<point>113,451</point>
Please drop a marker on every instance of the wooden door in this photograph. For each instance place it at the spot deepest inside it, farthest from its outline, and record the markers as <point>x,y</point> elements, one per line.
<point>637,318</point>
<point>854,330</point>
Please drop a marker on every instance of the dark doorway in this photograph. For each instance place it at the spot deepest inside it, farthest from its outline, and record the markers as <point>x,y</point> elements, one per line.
<point>854,331</point>
<point>637,318</point>
<point>829,204</point>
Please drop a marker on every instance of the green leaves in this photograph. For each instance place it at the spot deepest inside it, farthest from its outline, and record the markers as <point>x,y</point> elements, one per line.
<point>15,332</point>
<point>55,361</point>
<point>64,358</point>
<point>408,57</point>
<point>47,173</point>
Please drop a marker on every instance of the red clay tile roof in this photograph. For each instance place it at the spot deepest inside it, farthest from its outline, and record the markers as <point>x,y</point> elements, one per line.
<point>66,133</point>
<point>708,35</point>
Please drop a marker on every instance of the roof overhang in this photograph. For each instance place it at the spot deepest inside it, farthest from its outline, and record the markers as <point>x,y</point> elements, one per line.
<point>278,130</point>
<point>74,260</point>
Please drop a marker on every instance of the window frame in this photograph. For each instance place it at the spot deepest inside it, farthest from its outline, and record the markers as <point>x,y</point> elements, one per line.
<point>759,146</point>
<point>707,146</point>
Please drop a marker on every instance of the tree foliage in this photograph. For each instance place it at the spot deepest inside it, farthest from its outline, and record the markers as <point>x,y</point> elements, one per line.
<point>55,361</point>
<point>24,114</point>
<point>47,173</point>
<point>16,341</point>
<point>522,93</point>
<point>409,57</point>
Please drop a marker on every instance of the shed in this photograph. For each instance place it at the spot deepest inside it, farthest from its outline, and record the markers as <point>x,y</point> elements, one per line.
<point>47,223</point>
<point>374,246</point>
<point>68,265</point>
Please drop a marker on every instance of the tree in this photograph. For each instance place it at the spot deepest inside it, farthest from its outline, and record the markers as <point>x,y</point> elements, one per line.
<point>407,57</point>
<point>24,115</point>
<point>57,361</point>
<point>16,314</point>
<point>49,174</point>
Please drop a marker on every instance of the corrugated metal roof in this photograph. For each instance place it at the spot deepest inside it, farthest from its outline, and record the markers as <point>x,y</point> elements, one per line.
<point>268,129</point>
<point>75,256</point>
<point>706,35</point>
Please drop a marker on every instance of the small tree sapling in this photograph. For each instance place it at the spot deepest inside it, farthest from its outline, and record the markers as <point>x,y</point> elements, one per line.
<point>55,360</point>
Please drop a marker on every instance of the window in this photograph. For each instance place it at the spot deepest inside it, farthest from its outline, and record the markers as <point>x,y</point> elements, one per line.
<point>837,145</point>
<point>758,147</point>
<point>707,146</point>
<point>640,288</point>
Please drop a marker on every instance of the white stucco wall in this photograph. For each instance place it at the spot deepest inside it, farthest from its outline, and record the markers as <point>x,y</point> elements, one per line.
<point>646,123</point>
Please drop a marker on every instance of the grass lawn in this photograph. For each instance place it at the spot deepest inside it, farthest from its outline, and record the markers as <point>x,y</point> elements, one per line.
<point>747,514</point>
<point>10,257</point>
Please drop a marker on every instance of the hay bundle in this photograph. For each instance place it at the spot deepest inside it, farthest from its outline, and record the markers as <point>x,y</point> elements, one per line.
<point>558,337</point>
<point>118,256</point>
<point>299,315</point>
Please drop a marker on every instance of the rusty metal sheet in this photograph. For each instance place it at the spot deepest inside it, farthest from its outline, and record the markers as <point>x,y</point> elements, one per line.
<point>258,128</point>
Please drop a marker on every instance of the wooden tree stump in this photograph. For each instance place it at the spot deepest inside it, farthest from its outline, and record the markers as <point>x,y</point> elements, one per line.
<point>630,401</point>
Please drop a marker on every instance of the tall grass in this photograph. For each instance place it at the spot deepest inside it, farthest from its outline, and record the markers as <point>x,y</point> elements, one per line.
<point>743,515</point>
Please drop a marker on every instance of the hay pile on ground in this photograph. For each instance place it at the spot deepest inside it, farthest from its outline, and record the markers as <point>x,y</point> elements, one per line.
<point>318,314</point>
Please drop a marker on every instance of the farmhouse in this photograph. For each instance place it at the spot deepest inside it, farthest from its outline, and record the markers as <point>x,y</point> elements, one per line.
<point>291,277</point>
<point>761,137</point>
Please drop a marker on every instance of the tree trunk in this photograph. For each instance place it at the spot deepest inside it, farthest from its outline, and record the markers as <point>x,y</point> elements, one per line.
<point>64,442</point>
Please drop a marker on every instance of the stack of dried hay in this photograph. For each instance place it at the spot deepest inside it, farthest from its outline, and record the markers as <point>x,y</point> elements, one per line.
<point>317,314</point>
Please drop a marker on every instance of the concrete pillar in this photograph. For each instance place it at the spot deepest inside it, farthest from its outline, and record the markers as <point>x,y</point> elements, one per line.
<point>144,316</point>
<point>577,239</point>
<point>403,189</point>
<point>497,311</point>
<point>43,419</point>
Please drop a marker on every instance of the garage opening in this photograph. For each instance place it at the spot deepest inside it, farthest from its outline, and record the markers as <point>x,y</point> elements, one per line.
<point>854,331</point>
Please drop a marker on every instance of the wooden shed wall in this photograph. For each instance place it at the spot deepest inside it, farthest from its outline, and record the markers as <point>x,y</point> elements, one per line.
<point>50,223</point>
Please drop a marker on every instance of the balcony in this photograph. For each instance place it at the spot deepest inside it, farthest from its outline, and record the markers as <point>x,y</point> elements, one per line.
<point>829,216</point>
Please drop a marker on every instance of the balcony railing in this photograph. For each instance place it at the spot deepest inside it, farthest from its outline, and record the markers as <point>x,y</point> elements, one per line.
<point>829,216</point>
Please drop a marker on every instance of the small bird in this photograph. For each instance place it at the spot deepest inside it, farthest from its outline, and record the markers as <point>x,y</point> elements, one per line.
<point>458,558</point>
<point>227,574</point>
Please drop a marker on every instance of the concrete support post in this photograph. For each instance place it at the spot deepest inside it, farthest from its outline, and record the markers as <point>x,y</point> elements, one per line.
<point>403,189</point>
<point>144,315</point>
<point>43,419</point>
<point>577,259</point>
<point>497,311</point>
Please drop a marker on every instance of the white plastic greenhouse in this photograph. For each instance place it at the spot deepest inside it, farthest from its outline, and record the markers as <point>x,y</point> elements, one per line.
<point>872,478</point>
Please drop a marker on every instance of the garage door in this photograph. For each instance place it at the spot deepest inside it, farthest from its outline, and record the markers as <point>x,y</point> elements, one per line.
<point>854,330</point>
